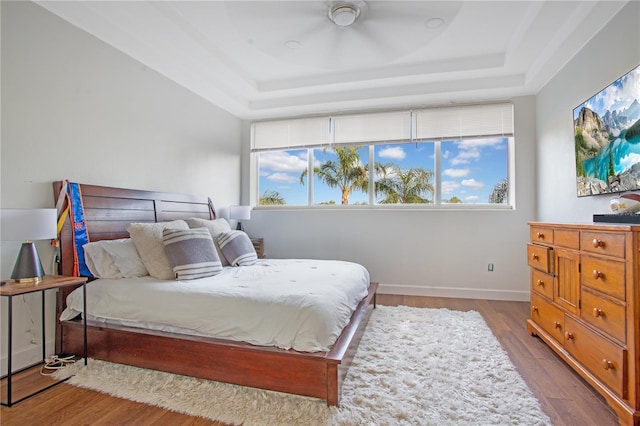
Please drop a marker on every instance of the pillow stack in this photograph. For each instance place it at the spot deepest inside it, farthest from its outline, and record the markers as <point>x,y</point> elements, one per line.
<point>148,240</point>
<point>182,250</point>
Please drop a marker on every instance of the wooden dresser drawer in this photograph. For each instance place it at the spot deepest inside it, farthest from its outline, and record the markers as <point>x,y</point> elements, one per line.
<point>542,283</point>
<point>605,314</point>
<point>603,243</point>
<point>540,257</point>
<point>603,358</point>
<point>547,316</point>
<point>567,238</point>
<point>608,276</point>
<point>542,235</point>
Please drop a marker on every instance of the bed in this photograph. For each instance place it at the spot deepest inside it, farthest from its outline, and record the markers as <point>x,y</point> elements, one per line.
<point>108,214</point>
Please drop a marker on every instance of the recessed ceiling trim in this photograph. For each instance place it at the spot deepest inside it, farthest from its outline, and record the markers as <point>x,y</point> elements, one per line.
<point>365,77</point>
<point>378,94</point>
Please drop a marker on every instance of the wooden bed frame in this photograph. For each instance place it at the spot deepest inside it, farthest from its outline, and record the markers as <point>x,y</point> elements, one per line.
<point>108,212</point>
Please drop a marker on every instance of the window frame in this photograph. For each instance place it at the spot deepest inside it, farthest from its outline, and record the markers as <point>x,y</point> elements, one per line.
<point>507,130</point>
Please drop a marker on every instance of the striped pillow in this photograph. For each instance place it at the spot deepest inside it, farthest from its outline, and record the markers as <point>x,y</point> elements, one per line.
<point>191,253</point>
<point>237,248</point>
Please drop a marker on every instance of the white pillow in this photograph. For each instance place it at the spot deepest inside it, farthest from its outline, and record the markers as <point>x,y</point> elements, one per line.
<point>99,262</point>
<point>114,259</point>
<point>147,238</point>
<point>215,227</point>
<point>126,257</point>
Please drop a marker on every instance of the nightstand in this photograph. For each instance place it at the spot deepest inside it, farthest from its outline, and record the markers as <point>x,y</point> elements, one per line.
<point>11,289</point>
<point>258,244</point>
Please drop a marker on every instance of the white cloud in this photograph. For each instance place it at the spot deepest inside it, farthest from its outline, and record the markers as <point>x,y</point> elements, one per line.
<point>280,161</point>
<point>472,183</point>
<point>465,157</point>
<point>471,149</point>
<point>612,98</point>
<point>449,186</point>
<point>393,152</point>
<point>283,178</point>
<point>455,173</point>
<point>472,198</point>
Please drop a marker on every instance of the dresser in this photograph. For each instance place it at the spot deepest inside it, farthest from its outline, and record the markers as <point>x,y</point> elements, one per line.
<point>585,304</point>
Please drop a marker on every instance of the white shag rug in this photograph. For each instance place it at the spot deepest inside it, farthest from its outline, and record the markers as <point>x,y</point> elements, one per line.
<point>414,366</point>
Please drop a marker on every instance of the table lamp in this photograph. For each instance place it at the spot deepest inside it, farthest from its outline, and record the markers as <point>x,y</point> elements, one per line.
<point>28,225</point>
<point>240,213</point>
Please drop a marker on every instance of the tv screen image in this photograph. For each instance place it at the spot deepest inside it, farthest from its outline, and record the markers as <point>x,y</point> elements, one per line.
<point>607,138</point>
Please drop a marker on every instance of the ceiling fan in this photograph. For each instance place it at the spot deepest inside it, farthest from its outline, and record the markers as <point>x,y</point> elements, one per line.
<point>340,34</point>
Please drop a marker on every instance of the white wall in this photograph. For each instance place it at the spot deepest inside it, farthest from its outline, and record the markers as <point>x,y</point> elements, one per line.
<point>75,108</point>
<point>425,252</point>
<point>611,53</point>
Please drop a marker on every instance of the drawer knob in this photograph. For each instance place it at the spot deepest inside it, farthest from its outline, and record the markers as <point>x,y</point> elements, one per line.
<point>556,324</point>
<point>607,365</point>
<point>540,283</point>
<point>597,274</point>
<point>597,312</point>
<point>534,308</point>
<point>540,236</point>
<point>569,336</point>
<point>535,256</point>
<point>597,243</point>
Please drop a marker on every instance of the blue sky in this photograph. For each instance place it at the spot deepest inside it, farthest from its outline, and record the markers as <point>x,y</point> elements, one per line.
<point>617,96</point>
<point>470,169</point>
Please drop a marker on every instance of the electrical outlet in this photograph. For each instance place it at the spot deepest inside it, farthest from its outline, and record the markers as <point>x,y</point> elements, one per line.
<point>490,267</point>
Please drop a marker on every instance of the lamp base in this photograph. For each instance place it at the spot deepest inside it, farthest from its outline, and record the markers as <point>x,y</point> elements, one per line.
<point>28,269</point>
<point>27,281</point>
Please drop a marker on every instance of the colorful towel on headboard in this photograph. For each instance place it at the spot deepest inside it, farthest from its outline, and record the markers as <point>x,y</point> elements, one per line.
<point>75,210</point>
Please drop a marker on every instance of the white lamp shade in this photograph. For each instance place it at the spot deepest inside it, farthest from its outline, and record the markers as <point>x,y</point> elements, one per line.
<point>240,212</point>
<point>28,224</point>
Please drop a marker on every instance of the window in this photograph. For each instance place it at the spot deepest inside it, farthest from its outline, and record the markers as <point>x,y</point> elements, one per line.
<point>279,177</point>
<point>440,156</point>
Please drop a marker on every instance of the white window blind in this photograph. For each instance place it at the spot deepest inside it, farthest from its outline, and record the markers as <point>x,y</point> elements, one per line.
<point>464,121</point>
<point>397,126</point>
<point>372,128</point>
<point>290,134</point>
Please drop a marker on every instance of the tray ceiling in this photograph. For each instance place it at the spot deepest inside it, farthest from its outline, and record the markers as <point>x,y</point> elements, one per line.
<point>264,59</point>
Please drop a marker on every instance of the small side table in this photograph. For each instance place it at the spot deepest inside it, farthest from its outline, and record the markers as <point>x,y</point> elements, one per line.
<point>258,244</point>
<point>11,289</point>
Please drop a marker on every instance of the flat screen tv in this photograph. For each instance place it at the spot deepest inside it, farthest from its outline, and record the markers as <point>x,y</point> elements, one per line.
<point>607,138</point>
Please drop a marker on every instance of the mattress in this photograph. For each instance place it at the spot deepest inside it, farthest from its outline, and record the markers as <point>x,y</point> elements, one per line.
<point>287,303</point>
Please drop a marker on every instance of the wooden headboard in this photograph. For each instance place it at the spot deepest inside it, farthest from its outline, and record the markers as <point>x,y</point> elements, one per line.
<point>109,211</point>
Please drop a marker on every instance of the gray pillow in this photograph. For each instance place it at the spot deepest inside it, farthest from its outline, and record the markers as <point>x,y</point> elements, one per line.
<point>215,227</point>
<point>237,248</point>
<point>191,253</point>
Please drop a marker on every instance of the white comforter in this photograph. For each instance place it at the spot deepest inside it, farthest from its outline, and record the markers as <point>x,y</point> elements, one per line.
<point>287,303</point>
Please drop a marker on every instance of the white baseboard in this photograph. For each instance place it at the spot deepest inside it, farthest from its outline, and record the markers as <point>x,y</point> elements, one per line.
<point>458,293</point>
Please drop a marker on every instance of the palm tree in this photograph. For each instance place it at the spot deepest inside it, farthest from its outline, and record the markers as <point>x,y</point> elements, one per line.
<point>347,173</point>
<point>409,186</point>
<point>271,198</point>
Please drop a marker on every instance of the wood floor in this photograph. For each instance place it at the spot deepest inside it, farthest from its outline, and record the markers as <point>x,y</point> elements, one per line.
<point>563,395</point>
